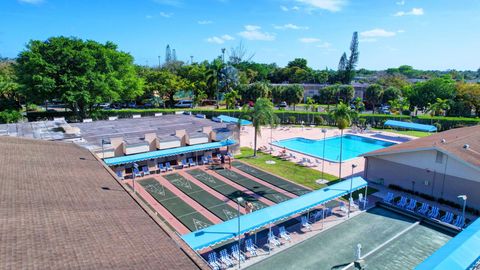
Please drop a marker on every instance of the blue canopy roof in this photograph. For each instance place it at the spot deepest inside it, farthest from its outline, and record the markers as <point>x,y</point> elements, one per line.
<point>461,252</point>
<point>167,152</point>
<point>412,126</point>
<point>229,119</point>
<point>224,231</point>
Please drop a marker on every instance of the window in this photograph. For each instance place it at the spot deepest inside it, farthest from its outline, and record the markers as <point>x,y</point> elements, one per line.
<point>439,158</point>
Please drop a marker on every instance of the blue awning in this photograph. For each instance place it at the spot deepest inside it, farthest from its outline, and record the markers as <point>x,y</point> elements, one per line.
<point>233,120</point>
<point>461,252</point>
<point>224,231</point>
<point>167,152</point>
<point>412,126</point>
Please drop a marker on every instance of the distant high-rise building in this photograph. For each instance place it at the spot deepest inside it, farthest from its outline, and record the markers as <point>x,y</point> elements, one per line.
<point>168,54</point>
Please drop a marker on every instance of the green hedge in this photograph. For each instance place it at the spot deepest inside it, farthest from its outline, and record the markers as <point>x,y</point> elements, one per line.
<point>446,123</point>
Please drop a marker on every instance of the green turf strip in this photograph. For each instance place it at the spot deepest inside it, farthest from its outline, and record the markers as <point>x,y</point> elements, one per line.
<point>254,186</point>
<point>225,189</point>
<point>192,219</point>
<point>272,179</point>
<point>218,207</point>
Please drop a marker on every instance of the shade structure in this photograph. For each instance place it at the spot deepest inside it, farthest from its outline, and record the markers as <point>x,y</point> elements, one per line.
<point>229,229</point>
<point>233,120</point>
<point>167,152</point>
<point>412,126</point>
<point>461,252</point>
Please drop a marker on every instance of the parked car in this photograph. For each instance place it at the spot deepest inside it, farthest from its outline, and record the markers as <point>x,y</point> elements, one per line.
<point>132,104</point>
<point>184,104</point>
<point>283,104</point>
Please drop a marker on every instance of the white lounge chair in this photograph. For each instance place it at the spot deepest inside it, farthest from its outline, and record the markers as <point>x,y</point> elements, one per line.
<point>251,247</point>
<point>316,216</point>
<point>225,258</point>
<point>161,168</point>
<point>361,199</point>
<point>284,234</point>
<point>341,206</point>
<point>273,240</point>
<point>169,166</point>
<point>145,170</point>
<point>305,223</point>
<point>120,175</point>
<point>136,173</point>
<point>191,162</point>
<point>213,261</point>
<point>237,254</point>
<point>353,204</point>
<point>184,163</point>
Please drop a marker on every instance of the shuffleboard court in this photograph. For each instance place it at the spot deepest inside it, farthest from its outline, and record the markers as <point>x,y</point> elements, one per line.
<point>225,189</point>
<point>387,238</point>
<point>192,219</point>
<point>272,179</point>
<point>218,207</point>
<point>254,186</point>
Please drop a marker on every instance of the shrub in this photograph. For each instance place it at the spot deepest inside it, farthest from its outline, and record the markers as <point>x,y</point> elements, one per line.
<point>10,116</point>
<point>318,119</point>
<point>292,119</point>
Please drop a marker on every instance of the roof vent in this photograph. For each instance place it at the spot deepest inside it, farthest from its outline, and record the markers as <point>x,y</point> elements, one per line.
<point>466,146</point>
<point>444,141</point>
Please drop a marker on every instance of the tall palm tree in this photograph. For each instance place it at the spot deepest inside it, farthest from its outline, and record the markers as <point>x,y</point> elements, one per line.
<point>343,115</point>
<point>261,114</point>
<point>440,107</point>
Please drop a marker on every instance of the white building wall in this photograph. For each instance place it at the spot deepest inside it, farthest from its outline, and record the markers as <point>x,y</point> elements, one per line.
<point>427,160</point>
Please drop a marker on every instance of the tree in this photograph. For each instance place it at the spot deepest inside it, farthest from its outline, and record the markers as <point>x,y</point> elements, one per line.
<point>80,73</point>
<point>261,114</point>
<point>398,106</point>
<point>310,103</point>
<point>213,78</point>
<point>239,54</point>
<point>427,92</point>
<point>9,88</point>
<point>391,93</point>
<point>359,105</point>
<point>346,93</point>
<point>343,117</point>
<point>469,93</point>
<point>228,79</point>
<point>329,94</point>
<point>346,67</point>
<point>254,91</point>
<point>231,99</point>
<point>298,62</point>
<point>440,107</point>
<point>373,95</point>
<point>199,97</point>
<point>293,94</point>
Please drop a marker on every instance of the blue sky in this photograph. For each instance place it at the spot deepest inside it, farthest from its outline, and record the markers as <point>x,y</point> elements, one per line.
<point>427,34</point>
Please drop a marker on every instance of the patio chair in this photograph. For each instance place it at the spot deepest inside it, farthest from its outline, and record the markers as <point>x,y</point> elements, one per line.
<point>361,199</point>
<point>136,173</point>
<point>191,162</point>
<point>353,204</point>
<point>447,218</point>
<point>230,155</point>
<point>213,261</point>
<point>184,163</point>
<point>388,198</point>
<point>459,222</point>
<point>284,234</point>
<point>204,160</point>
<point>412,205</point>
<point>210,158</point>
<point>316,216</point>
<point>403,202</point>
<point>145,170</point>
<point>225,258</point>
<point>161,168</point>
<point>434,212</point>
<point>251,247</point>
<point>237,254</point>
<point>169,166</point>
<point>305,223</point>
<point>273,240</point>
<point>341,206</point>
<point>423,209</point>
<point>219,156</point>
<point>119,175</point>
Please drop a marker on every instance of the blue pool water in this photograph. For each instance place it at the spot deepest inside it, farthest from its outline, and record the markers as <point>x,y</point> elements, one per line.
<point>353,146</point>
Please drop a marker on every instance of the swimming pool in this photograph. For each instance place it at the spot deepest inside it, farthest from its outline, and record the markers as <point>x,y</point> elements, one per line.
<point>353,146</point>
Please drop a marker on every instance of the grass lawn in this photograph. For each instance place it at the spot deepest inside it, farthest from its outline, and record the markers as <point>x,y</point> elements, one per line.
<point>289,170</point>
<point>413,133</point>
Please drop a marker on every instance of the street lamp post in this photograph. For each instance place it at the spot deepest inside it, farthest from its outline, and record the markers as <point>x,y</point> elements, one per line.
<point>135,166</point>
<point>324,131</point>
<point>464,198</point>
<point>239,201</point>
<point>351,185</point>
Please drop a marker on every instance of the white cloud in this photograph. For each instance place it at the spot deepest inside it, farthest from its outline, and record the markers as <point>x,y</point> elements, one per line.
<point>324,45</point>
<point>413,12</point>
<point>377,32</point>
<point>148,16</point>
<point>219,40</point>
<point>253,32</point>
<point>330,5</point>
<point>295,8</point>
<point>401,31</point>
<point>205,22</point>
<point>401,3</point>
<point>284,8</point>
<point>309,40</point>
<point>173,3</point>
<point>166,15</point>
<point>290,26</point>
<point>33,2</point>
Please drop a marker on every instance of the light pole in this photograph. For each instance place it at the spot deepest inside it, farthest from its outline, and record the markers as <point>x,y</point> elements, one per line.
<point>239,201</point>
<point>324,131</point>
<point>464,198</point>
<point>135,166</point>
<point>351,185</point>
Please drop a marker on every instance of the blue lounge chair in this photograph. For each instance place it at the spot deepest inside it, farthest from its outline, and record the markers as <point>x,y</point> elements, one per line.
<point>434,212</point>
<point>136,173</point>
<point>388,198</point>
<point>225,258</point>
<point>251,247</point>
<point>191,162</point>
<point>403,202</point>
<point>459,222</point>
<point>447,218</point>
<point>423,209</point>
<point>316,216</point>
<point>284,234</point>
<point>412,205</point>
<point>204,160</point>
<point>210,159</point>
<point>161,168</point>
<point>184,163</point>
<point>120,175</point>
<point>237,254</point>
<point>169,167</point>
<point>305,223</point>
<point>145,170</point>
<point>273,240</point>
<point>213,261</point>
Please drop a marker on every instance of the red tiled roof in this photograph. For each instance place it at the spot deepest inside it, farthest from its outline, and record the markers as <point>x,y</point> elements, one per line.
<point>450,141</point>
<point>61,209</point>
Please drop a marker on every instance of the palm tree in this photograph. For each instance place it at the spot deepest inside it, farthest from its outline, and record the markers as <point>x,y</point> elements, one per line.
<point>343,116</point>
<point>261,114</point>
<point>441,106</point>
<point>213,78</point>
<point>231,99</point>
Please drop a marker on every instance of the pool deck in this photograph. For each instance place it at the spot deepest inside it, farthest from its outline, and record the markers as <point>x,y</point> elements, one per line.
<point>314,133</point>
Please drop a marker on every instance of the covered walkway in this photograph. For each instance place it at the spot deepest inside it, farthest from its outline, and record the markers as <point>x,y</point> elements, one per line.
<point>227,230</point>
<point>233,120</point>
<point>409,125</point>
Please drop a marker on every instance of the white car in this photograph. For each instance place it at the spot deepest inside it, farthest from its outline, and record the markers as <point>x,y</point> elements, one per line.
<point>184,104</point>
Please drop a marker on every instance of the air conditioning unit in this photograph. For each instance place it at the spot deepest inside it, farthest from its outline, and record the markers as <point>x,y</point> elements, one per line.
<point>426,182</point>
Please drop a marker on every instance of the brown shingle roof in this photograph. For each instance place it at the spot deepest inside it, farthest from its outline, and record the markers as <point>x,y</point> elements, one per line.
<point>61,209</point>
<point>455,139</point>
